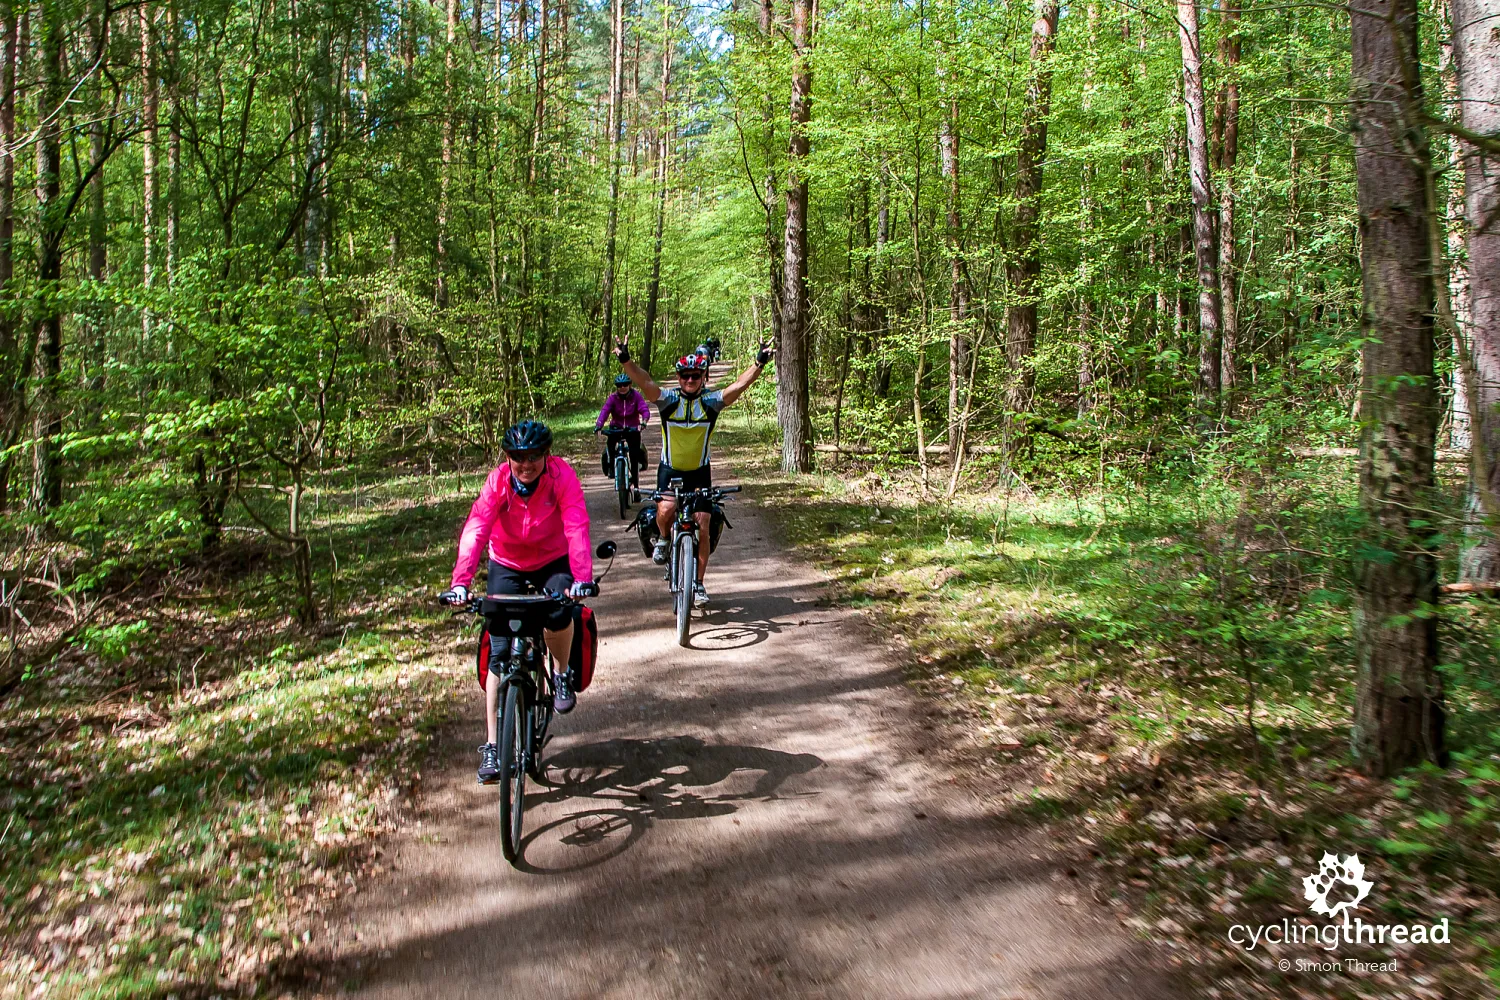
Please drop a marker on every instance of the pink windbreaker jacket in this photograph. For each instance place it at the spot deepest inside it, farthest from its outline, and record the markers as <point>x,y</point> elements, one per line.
<point>527,533</point>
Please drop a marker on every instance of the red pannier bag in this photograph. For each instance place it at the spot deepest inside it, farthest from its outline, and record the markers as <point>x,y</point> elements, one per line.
<point>580,662</point>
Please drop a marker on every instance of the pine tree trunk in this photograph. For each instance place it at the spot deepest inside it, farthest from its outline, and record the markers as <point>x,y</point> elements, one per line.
<point>793,357</point>
<point>47,485</point>
<point>1228,130</point>
<point>445,167</point>
<point>149,107</point>
<point>174,150</point>
<point>653,291</point>
<point>1477,54</point>
<point>1205,249</point>
<point>1026,268</point>
<point>616,85</point>
<point>958,305</point>
<point>12,401</point>
<point>775,251</point>
<point>1398,714</point>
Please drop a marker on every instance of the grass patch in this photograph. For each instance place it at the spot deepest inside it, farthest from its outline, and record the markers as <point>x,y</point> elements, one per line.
<point>192,781</point>
<point>1164,675</point>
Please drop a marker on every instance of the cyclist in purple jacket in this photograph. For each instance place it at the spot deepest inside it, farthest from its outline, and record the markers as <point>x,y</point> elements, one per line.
<point>627,410</point>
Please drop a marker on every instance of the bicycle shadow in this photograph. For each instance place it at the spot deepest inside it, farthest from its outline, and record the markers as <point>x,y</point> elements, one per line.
<point>625,785</point>
<point>750,619</point>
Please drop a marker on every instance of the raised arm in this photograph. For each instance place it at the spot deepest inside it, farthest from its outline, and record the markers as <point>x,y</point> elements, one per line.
<point>642,378</point>
<point>737,388</point>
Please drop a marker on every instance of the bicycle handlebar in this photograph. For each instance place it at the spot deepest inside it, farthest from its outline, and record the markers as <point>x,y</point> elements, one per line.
<point>716,492</point>
<point>474,604</point>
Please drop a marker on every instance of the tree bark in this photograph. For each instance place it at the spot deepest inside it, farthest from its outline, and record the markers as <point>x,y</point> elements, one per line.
<point>653,291</point>
<point>958,304</point>
<point>445,167</point>
<point>616,86</point>
<point>1398,713</point>
<point>1477,55</point>
<point>174,148</point>
<point>793,356</point>
<point>149,110</point>
<point>1228,129</point>
<point>47,485</point>
<point>1026,267</point>
<point>1205,250</point>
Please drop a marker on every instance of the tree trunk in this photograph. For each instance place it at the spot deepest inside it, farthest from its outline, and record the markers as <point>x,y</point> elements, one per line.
<point>616,85</point>
<point>1456,237</point>
<point>1398,713</point>
<point>313,235</point>
<point>16,359</point>
<point>174,150</point>
<point>1228,130</point>
<point>775,251</point>
<point>653,291</point>
<point>1477,54</point>
<point>97,222</point>
<point>445,168</point>
<point>1204,247</point>
<point>1026,267</point>
<point>47,486</point>
<point>793,357</point>
<point>958,305</point>
<point>149,103</point>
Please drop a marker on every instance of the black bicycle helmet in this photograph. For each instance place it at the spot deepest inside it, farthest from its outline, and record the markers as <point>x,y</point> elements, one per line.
<point>621,379</point>
<point>528,435</point>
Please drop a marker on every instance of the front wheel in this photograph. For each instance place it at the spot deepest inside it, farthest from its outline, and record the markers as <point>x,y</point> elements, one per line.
<point>622,486</point>
<point>687,567</point>
<point>514,733</point>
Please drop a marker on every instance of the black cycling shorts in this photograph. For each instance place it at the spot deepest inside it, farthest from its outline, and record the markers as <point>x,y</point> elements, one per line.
<point>555,578</point>
<point>698,479</point>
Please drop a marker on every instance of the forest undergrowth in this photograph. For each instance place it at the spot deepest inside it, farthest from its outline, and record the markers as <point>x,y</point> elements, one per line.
<point>1163,672</point>
<point>193,780</point>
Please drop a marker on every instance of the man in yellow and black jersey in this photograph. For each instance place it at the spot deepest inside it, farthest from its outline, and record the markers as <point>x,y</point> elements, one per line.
<point>688,414</point>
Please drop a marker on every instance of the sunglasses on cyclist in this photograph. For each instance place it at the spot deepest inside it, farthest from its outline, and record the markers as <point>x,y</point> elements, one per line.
<point>690,376</point>
<point>522,457</point>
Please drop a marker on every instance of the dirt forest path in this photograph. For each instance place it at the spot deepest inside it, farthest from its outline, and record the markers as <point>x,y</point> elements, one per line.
<point>747,818</point>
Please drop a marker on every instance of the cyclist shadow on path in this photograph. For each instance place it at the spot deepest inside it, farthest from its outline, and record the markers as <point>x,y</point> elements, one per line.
<point>742,620</point>
<point>624,785</point>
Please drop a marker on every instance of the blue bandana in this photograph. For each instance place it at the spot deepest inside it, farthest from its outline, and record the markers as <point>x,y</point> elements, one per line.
<point>522,490</point>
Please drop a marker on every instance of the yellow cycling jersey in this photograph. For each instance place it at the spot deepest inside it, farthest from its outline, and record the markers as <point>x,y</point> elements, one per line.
<point>687,424</point>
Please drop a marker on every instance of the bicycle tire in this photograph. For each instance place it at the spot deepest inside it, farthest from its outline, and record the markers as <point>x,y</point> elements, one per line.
<point>514,727</point>
<point>622,487</point>
<point>687,564</point>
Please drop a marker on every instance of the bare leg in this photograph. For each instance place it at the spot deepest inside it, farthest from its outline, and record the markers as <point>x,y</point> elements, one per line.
<point>491,700</point>
<point>665,509</point>
<point>704,520</point>
<point>560,644</point>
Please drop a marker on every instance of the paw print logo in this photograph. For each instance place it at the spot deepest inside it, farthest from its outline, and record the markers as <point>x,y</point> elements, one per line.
<point>1331,871</point>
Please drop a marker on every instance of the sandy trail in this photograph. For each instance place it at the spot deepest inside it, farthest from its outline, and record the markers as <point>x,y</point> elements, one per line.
<point>748,818</point>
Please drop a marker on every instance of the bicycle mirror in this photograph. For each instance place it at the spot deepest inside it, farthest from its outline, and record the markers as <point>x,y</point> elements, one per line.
<point>606,550</point>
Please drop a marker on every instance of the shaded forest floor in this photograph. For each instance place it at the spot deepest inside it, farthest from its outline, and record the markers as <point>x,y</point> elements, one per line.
<point>1103,668</point>
<point>193,781</point>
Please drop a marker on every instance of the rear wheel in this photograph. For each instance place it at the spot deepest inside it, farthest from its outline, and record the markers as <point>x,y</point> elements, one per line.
<point>687,566</point>
<point>514,733</point>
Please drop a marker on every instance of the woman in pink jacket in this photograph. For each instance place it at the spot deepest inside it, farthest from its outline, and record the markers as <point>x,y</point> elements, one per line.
<point>532,515</point>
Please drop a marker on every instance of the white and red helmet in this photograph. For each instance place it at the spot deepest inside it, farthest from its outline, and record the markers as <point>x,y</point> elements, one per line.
<point>692,363</point>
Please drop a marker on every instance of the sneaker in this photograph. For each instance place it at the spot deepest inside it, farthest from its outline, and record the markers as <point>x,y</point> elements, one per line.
<point>489,763</point>
<point>659,553</point>
<point>563,698</point>
<point>700,596</point>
